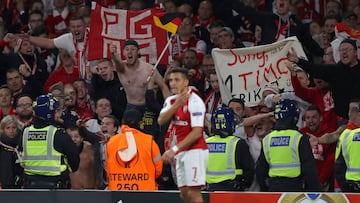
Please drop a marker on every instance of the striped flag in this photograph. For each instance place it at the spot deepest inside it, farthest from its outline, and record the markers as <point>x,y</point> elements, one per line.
<point>168,21</point>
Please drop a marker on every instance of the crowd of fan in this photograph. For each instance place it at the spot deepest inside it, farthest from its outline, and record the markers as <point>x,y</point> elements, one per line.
<point>27,71</point>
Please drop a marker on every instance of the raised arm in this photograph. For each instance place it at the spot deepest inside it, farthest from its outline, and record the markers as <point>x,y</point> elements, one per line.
<point>327,138</point>
<point>292,56</point>
<point>168,111</point>
<point>159,80</point>
<point>9,37</point>
<point>42,42</point>
<point>252,120</point>
<point>119,64</point>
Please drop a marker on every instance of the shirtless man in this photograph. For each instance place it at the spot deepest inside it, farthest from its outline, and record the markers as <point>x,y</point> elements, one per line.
<point>84,177</point>
<point>133,75</point>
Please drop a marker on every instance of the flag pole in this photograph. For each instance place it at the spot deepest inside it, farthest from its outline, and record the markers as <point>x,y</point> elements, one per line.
<point>160,57</point>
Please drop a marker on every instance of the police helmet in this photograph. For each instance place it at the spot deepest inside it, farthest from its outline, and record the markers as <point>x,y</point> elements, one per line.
<point>45,106</point>
<point>286,110</point>
<point>223,121</point>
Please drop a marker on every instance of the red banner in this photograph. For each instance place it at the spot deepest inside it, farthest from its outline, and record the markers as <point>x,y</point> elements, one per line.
<point>115,26</point>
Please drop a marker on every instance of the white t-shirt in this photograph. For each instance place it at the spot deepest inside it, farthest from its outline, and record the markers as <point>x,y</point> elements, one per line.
<point>240,131</point>
<point>93,126</point>
<point>66,41</point>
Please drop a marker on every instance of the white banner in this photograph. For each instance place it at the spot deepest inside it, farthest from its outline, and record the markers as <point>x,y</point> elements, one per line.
<point>244,72</point>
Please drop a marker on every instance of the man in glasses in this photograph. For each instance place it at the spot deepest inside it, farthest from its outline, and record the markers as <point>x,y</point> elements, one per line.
<point>343,76</point>
<point>24,110</point>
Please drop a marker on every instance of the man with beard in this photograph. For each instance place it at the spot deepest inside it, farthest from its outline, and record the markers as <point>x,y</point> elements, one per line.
<point>135,75</point>
<point>71,96</point>
<point>24,110</point>
<point>324,154</point>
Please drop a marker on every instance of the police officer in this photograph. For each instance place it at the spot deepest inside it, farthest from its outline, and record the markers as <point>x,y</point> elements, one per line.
<point>286,161</point>
<point>347,165</point>
<point>48,153</point>
<point>230,166</point>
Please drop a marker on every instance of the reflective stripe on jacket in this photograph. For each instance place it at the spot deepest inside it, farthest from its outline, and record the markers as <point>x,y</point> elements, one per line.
<point>141,171</point>
<point>350,150</point>
<point>281,150</point>
<point>221,164</point>
<point>346,132</point>
<point>39,156</point>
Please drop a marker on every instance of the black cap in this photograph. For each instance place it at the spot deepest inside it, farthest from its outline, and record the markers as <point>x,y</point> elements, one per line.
<point>132,117</point>
<point>350,41</point>
<point>131,42</point>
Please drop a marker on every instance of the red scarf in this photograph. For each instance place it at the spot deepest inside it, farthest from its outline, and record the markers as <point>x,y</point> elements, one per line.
<point>282,29</point>
<point>34,67</point>
<point>214,100</point>
<point>81,56</point>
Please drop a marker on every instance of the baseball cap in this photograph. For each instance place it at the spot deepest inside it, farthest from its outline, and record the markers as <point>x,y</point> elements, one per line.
<point>131,42</point>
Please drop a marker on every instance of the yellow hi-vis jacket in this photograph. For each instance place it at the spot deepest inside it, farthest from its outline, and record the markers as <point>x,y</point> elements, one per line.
<point>281,150</point>
<point>350,148</point>
<point>221,164</point>
<point>345,133</point>
<point>39,156</point>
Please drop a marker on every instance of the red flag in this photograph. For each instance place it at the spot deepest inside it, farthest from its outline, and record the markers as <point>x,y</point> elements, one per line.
<point>115,26</point>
